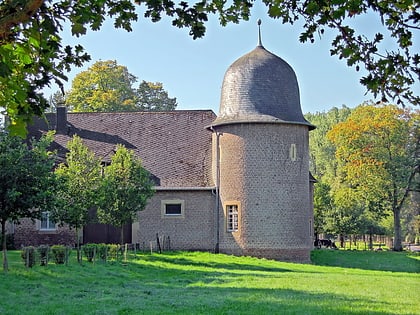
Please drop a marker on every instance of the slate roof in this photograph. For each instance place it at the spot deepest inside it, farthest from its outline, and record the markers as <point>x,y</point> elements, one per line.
<point>260,87</point>
<point>174,146</point>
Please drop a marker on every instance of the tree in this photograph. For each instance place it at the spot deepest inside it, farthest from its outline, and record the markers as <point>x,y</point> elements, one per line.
<point>27,183</point>
<point>79,179</point>
<point>152,97</point>
<point>378,153</point>
<point>323,166</point>
<point>126,187</point>
<point>32,55</point>
<point>104,87</point>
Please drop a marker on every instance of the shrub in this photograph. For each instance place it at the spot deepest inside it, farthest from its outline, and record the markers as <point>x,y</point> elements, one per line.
<point>113,250</point>
<point>10,242</point>
<point>102,251</point>
<point>43,252</point>
<point>28,256</point>
<point>60,254</point>
<point>90,251</point>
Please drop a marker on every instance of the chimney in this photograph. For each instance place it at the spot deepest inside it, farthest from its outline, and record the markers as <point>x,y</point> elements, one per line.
<point>61,122</point>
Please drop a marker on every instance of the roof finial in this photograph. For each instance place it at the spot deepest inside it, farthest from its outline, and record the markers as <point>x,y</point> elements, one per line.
<point>259,32</point>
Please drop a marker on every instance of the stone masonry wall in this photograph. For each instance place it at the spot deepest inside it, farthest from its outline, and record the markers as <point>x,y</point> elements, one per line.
<point>27,233</point>
<point>271,186</point>
<point>193,230</point>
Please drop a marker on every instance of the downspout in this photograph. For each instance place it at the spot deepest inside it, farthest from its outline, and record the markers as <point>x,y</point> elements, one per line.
<point>217,190</point>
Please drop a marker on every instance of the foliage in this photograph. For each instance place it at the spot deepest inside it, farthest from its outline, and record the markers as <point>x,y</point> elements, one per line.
<point>90,251</point>
<point>27,183</point>
<point>28,255</point>
<point>104,87</point>
<point>43,251</point>
<point>377,152</point>
<point>60,254</point>
<point>152,97</point>
<point>126,187</point>
<point>354,282</point>
<point>101,251</point>
<point>108,87</point>
<point>10,241</point>
<point>323,166</point>
<point>33,56</point>
<point>79,179</point>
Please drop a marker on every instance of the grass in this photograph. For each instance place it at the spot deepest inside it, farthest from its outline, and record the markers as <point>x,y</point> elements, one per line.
<point>338,282</point>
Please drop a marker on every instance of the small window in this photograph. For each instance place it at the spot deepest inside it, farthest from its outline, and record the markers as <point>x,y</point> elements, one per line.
<point>46,222</point>
<point>232,218</point>
<point>293,152</point>
<point>172,208</point>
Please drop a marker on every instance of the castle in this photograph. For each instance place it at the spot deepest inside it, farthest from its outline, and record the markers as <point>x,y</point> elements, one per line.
<point>235,183</point>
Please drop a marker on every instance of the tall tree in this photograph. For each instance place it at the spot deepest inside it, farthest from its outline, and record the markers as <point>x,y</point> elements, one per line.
<point>79,179</point>
<point>126,187</point>
<point>378,153</point>
<point>27,182</point>
<point>32,54</point>
<point>323,165</point>
<point>152,97</point>
<point>104,87</point>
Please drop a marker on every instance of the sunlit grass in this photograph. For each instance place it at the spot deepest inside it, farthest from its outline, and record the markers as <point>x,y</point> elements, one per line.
<point>204,283</point>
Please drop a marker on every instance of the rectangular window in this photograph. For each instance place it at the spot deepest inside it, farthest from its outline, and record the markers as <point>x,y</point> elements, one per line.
<point>232,218</point>
<point>172,208</point>
<point>46,222</point>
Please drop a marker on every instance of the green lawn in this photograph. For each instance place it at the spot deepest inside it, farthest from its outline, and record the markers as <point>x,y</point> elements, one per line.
<point>338,282</point>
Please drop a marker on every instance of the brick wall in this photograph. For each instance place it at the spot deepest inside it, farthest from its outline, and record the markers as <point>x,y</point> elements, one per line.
<point>271,188</point>
<point>27,233</point>
<point>194,230</point>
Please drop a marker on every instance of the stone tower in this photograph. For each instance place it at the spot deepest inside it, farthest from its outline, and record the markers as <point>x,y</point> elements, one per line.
<point>261,161</point>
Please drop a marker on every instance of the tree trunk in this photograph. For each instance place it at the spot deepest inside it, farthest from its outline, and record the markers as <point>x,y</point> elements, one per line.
<point>122,234</point>
<point>397,231</point>
<point>79,259</point>
<point>4,246</point>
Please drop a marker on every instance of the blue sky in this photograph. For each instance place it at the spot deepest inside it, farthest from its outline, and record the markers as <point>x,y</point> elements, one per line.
<point>193,70</point>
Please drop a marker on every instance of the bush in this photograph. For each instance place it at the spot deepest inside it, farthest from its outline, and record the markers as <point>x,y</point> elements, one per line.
<point>60,254</point>
<point>28,256</point>
<point>10,242</point>
<point>43,252</point>
<point>90,251</point>
<point>113,250</point>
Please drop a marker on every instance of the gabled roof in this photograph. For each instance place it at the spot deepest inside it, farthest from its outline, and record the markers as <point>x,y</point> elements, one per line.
<point>174,146</point>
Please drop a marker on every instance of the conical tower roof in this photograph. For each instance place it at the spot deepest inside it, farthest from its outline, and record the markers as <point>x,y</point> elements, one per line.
<point>260,87</point>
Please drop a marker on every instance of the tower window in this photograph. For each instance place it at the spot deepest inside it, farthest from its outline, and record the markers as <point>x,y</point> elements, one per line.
<point>293,152</point>
<point>232,218</point>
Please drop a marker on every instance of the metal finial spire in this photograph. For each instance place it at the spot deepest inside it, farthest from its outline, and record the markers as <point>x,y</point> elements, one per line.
<point>259,32</point>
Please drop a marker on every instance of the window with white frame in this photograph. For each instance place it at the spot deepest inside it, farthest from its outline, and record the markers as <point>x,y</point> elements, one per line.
<point>172,208</point>
<point>47,223</point>
<point>232,218</point>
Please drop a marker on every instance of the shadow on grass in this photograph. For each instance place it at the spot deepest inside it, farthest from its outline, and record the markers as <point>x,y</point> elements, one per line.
<point>173,258</point>
<point>152,286</point>
<point>367,260</point>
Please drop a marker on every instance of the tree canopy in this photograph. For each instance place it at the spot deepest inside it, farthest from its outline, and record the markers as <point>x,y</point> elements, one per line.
<point>33,57</point>
<point>377,149</point>
<point>27,183</point>
<point>125,189</point>
<point>78,178</point>
<point>108,87</point>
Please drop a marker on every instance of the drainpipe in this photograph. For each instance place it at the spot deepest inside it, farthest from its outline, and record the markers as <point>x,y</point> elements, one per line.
<point>217,190</point>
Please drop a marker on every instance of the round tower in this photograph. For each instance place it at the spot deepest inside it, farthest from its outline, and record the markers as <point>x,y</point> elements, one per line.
<point>261,161</point>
